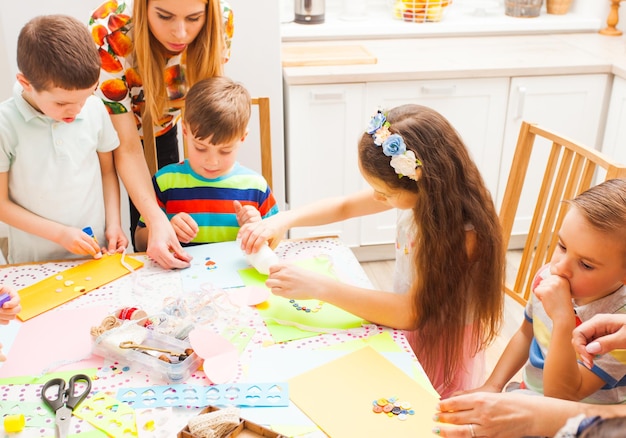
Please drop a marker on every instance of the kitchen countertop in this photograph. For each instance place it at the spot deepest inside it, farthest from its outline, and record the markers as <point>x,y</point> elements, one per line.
<point>470,57</point>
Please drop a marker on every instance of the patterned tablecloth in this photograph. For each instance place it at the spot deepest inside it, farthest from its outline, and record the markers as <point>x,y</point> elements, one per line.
<point>150,288</point>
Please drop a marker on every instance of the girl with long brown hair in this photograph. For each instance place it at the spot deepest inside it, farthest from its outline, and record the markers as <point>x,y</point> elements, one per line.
<point>450,258</point>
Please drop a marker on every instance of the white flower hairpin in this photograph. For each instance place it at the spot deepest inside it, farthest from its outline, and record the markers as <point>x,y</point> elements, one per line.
<point>403,161</point>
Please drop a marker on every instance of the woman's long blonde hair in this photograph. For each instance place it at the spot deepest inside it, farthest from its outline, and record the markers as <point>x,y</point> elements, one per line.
<point>204,58</point>
<point>453,288</point>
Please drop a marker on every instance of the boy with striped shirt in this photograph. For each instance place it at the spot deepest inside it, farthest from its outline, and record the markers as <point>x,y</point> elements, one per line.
<point>204,195</point>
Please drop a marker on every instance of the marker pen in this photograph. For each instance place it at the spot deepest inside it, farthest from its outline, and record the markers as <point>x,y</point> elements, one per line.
<point>89,232</point>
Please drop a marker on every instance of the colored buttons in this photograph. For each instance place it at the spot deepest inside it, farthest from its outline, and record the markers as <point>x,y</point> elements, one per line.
<point>393,407</point>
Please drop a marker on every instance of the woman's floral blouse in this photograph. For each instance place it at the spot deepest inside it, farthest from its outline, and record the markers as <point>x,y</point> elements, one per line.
<point>120,86</point>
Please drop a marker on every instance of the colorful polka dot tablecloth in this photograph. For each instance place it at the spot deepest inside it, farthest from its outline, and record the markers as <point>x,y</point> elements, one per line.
<point>152,289</point>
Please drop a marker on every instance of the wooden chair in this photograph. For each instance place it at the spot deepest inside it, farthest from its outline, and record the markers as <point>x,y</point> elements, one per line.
<point>570,169</point>
<point>265,140</point>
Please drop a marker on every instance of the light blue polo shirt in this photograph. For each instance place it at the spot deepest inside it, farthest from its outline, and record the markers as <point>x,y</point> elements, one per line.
<point>54,170</point>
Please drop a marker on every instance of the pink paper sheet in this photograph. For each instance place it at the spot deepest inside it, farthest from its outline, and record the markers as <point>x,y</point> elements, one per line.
<point>50,340</point>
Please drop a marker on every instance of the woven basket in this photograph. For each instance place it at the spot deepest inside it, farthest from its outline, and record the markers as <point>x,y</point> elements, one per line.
<point>420,11</point>
<point>558,7</point>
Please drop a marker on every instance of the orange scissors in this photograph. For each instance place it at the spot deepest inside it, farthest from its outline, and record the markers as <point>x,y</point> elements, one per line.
<point>62,400</point>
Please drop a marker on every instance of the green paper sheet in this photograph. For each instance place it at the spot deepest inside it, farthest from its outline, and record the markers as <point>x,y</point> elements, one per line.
<point>286,323</point>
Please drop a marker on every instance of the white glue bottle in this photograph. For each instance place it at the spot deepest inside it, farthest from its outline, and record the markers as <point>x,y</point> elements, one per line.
<point>262,259</point>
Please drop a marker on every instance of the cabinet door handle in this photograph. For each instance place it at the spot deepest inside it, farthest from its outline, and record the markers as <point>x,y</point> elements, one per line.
<point>438,89</point>
<point>327,97</point>
<point>521,101</point>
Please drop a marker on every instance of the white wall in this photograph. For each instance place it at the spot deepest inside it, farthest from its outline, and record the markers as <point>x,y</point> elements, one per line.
<point>255,61</point>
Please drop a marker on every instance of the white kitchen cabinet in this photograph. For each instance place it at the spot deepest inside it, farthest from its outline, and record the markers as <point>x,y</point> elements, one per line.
<point>614,144</point>
<point>571,105</point>
<point>325,122</point>
<point>323,125</point>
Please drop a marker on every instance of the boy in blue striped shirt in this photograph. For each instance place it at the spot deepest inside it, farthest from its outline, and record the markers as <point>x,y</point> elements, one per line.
<point>204,195</point>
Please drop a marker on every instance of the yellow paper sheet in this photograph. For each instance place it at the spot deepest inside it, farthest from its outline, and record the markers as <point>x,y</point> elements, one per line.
<point>66,285</point>
<point>338,397</point>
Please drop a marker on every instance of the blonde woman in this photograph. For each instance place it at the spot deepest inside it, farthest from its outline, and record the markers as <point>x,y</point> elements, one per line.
<point>152,52</point>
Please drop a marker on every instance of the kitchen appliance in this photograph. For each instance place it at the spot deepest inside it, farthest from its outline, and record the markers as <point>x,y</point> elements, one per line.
<point>309,11</point>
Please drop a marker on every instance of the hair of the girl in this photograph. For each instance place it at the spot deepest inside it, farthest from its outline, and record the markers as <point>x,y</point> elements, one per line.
<point>604,207</point>
<point>218,109</point>
<point>57,51</point>
<point>453,288</point>
<point>204,56</point>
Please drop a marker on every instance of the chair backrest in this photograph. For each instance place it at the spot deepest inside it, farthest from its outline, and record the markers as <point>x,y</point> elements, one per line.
<point>265,141</point>
<point>570,169</point>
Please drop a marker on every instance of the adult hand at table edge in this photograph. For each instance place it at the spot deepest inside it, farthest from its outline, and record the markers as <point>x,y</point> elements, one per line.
<point>164,248</point>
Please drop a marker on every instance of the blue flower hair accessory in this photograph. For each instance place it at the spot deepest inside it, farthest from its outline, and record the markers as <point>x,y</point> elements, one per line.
<point>403,161</point>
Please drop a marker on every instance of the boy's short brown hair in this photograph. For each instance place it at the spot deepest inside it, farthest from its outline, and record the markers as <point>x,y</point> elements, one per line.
<point>57,51</point>
<point>217,109</point>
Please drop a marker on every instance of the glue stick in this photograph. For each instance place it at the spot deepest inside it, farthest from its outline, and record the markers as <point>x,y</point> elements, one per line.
<point>89,232</point>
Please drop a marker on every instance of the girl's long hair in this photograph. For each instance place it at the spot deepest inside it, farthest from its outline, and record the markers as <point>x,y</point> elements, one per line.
<point>453,287</point>
<point>204,57</point>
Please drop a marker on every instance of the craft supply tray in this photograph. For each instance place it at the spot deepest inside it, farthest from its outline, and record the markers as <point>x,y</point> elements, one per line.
<point>107,345</point>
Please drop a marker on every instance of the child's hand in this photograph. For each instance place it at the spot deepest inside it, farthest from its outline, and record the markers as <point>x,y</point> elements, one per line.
<point>11,308</point>
<point>78,242</point>
<point>185,227</point>
<point>117,240</point>
<point>246,213</point>
<point>253,235</point>
<point>296,283</point>
<point>554,292</point>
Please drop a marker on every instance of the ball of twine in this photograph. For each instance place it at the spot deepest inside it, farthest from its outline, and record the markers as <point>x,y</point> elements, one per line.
<point>216,424</point>
<point>107,324</point>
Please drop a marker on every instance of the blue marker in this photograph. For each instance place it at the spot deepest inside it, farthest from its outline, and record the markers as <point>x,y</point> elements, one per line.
<point>89,232</point>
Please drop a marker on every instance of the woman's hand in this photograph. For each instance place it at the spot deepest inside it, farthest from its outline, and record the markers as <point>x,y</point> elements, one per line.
<point>184,227</point>
<point>599,335</point>
<point>501,415</point>
<point>164,247</point>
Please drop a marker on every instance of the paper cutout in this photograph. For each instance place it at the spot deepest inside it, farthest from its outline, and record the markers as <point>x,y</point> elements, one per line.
<point>35,413</point>
<point>231,394</point>
<point>248,295</point>
<point>220,356</point>
<point>69,284</point>
<point>239,336</point>
<point>214,263</point>
<point>108,414</point>
<point>50,342</point>
<point>362,377</point>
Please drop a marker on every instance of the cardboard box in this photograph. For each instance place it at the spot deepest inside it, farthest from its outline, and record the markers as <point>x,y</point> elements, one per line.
<point>245,429</point>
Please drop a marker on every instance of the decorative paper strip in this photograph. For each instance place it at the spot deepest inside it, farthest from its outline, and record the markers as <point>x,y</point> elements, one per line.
<point>362,377</point>
<point>234,394</point>
<point>109,415</point>
<point>66,285</point>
